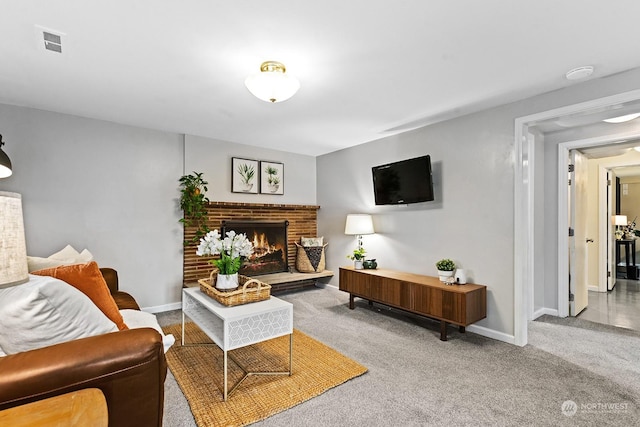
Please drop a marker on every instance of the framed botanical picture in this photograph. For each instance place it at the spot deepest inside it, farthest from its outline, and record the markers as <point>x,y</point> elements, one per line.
<point>271,178</point>
<point>244,175</point>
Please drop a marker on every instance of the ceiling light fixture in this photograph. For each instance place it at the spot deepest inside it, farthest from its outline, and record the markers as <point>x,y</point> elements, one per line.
<point>271,84</point>
<point>622,119</point>
<point>579,73</point>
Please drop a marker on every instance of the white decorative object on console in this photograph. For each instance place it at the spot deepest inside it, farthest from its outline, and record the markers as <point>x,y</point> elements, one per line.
<point>461,276</point>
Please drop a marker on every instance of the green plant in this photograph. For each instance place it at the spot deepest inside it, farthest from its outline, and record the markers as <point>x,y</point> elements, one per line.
<point>358,254</point>
<point>445,264</point>
<point>193,203</point>
<point>246,172</point>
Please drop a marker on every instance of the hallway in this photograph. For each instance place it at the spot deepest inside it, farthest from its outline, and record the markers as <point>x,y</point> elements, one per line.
<point>619,307</point>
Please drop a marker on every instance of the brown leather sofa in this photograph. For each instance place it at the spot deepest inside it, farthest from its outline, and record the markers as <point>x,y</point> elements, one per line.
<point>128,366</point>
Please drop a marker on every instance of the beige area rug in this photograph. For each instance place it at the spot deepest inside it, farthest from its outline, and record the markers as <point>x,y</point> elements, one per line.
<point>199,373</point>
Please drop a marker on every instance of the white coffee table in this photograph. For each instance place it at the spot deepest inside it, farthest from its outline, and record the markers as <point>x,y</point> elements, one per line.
<point>239,326</point>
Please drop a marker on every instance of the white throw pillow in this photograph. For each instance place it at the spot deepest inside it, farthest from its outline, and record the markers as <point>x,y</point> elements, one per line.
<point>311,241</point>
<point>35,263</point>
<point>46,311</point>
<point>68,252</point>
<point>141,319</point>
<point>66,256</point>
<point>84,257</point>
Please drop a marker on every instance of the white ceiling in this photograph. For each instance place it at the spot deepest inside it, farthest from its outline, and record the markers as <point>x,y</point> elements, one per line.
<point>368,69</point>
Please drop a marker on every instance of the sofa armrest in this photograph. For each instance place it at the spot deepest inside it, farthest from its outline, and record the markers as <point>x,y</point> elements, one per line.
<point>123,300</point>
<point>128,366</point>
<point>111,277</point>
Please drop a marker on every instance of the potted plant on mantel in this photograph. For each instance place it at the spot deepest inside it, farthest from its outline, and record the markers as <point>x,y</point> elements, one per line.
<point>445,269</point>
<point>193,203</point>
<point>357,257</point>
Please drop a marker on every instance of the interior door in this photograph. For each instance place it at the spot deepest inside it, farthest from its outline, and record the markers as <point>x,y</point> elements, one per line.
<point>578,277</point>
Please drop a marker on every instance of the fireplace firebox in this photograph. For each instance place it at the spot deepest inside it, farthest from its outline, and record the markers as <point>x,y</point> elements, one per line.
<point>269,240</point>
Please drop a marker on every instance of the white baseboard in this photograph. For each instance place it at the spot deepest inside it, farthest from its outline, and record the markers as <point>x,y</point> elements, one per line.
<point>491,333</point>
<point>543,311</point>
<point>162,308</point>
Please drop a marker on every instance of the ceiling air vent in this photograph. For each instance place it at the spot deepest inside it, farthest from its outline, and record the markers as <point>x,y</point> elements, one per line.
<point>52,42</point>
<point>49,39</point>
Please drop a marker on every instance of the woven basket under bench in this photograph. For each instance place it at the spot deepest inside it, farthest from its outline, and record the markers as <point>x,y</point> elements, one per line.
<point>249,290</point>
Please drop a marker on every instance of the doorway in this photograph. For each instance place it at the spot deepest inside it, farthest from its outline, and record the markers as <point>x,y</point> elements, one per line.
<point>612,300</point>
<point>527,142</point>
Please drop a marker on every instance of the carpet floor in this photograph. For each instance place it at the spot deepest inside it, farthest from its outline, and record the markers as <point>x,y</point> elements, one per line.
<point>414,379</point>
<point>198,369</point>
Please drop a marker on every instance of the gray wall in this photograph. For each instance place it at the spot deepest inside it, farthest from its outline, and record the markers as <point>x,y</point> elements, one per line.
<point>113,189</point>
<point>102,186</point>
<point>213,158</point>
<point>472,219</point>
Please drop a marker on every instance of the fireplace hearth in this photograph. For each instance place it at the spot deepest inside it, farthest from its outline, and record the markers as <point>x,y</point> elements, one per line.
<point>269,240</point>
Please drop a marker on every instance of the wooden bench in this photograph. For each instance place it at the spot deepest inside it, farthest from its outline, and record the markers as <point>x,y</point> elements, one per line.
<point>287,280</point>
<point>292,280</point>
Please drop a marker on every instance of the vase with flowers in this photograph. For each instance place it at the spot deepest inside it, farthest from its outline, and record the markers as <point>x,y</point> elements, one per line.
<point>232,249</point>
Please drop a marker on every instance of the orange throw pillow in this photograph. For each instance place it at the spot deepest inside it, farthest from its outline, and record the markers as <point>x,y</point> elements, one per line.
<point>88,279</point>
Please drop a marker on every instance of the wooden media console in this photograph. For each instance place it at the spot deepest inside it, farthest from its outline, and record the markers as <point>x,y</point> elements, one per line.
<point>460,305</point>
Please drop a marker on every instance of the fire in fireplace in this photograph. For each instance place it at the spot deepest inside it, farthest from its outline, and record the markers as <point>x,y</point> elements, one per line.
<point>269,240</point>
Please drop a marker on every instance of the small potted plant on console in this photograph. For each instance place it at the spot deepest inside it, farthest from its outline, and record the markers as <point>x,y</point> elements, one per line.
<point>357,257</point>
<point>445,269</point>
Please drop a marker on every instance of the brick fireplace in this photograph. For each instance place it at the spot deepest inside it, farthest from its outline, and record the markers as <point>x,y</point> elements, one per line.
<point>303,221</point>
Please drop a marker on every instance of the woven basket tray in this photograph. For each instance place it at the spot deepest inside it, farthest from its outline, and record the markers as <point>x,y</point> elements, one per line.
<point>250,290</point>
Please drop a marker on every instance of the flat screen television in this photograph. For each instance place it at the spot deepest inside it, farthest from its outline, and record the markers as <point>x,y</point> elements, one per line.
<point>403,182</point>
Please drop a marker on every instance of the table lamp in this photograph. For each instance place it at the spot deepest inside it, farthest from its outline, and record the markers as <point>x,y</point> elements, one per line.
<point>357,225</point>
<point>13,249</point>
<point>619,220</point>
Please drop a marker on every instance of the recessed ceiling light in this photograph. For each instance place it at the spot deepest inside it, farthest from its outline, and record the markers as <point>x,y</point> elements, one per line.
<point>636,148</point>
<point>622,119</point>
<point>579,73</point>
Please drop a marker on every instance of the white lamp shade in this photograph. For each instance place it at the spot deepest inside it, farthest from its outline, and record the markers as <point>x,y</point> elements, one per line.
<point>619,220</point>
<point>358,224</point>
<point>272,84</point>
<point>13,249</point>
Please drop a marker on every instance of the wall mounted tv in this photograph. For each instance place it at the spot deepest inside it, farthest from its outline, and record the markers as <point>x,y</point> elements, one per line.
<point>403,182</point>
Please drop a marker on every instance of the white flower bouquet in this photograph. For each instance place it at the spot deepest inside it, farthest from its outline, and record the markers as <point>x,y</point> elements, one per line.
<point>232,250</point>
